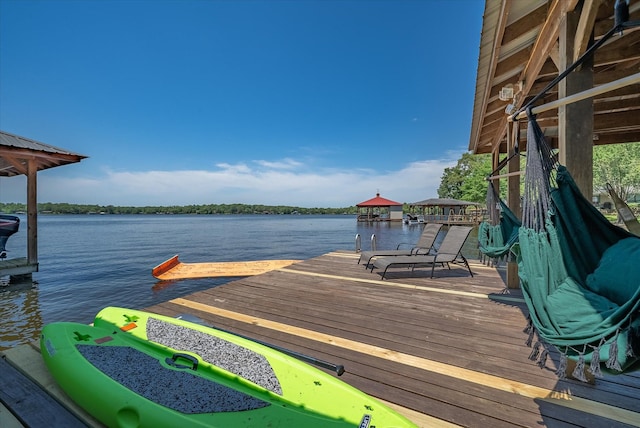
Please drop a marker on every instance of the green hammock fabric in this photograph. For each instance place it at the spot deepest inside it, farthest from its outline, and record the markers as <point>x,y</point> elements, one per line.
<point>580,274</point>
<point>496,240</point>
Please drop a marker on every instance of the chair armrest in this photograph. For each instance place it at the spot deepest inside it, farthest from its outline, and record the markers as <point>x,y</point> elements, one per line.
<point>422,250</point>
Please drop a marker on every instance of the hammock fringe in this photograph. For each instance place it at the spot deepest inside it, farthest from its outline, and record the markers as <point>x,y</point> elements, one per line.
<point>529,325</point>
<point>529,341</point>
<point>612,363</point>
<point>561,372</point>
<point>578,372</point>
<point>542,362</point>
<point>535,352</point>
<point>594,368</point>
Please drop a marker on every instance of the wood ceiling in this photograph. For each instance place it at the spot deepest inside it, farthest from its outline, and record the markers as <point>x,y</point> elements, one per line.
<point>519,46</point>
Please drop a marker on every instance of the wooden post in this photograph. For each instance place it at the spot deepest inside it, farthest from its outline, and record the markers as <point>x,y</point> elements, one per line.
<point>575,121</point>
<point>495,161</point>
<point>32,212</point>
<point>513,199</point>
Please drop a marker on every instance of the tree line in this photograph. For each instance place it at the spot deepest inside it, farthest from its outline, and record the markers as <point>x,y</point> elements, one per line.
<point>66,208</point>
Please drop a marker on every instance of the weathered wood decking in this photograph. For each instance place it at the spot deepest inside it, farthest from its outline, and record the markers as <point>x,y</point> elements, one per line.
<point>445,351</point>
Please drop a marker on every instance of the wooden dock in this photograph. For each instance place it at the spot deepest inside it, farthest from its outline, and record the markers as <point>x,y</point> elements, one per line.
<point>17,268</point>
<point>447,351</point>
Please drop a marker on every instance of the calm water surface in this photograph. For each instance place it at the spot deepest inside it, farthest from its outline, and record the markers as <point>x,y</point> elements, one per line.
<point>88,262</point>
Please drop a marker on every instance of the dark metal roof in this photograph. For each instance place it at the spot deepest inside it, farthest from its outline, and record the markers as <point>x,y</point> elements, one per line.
<point>17,152</point>
<point>378,201</point>
<point>443,202</point>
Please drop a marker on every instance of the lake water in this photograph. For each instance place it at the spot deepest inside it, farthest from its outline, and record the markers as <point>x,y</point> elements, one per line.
<point>88,262</point>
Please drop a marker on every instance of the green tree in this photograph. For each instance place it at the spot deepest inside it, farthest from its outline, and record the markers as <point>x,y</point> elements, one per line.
<point>466,180</point>
<point>618,165</point>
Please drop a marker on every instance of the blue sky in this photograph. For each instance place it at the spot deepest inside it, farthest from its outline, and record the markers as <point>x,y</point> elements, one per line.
<point>305,103</point>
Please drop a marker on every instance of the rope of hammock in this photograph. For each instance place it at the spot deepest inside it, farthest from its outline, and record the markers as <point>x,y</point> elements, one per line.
<point>536,196</point>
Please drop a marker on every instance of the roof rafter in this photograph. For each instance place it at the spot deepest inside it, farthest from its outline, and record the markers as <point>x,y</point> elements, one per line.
<point>541,50</point>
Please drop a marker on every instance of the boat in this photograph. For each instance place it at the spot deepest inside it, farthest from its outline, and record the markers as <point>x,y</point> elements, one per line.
<point>413,219</point>
<point>9,225</point>
<point>135,368</point>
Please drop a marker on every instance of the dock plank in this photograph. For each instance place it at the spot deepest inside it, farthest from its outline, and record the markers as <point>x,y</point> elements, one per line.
<point>27,360</point>
<point>30,405</point>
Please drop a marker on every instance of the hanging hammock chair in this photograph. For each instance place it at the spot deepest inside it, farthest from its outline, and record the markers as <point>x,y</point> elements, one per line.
<point>498,234</point>
<point>624,212</point>
<point>580,274</point>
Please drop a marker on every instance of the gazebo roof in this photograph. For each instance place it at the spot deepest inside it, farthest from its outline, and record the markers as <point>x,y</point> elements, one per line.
<point>378,201</point>
<point>16,152</point>
<point>443,202</point>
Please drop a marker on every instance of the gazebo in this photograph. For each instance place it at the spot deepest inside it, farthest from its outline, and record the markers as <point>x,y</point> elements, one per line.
<point>448,211</point>
<point>19,155</point>
<point>379,209</point>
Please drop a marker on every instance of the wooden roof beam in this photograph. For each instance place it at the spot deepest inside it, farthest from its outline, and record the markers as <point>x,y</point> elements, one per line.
<point>583,95</point>
<point>617,138</point>
<point>546,40</point>
<point>620,49</point>
<point>585,27</point>
<point>32,154</point>
<point>16,163</point>
<point>620,120</point>
<point>532,20</point>
<point>540,53</point>
<point>606,75</point>
<point>616,105</point>
<point>603,26</point>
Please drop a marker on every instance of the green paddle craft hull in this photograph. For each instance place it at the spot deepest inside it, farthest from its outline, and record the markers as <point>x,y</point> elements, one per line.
<point>138,369</point>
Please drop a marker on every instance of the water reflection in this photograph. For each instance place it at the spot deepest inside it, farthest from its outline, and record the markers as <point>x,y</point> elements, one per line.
<point>20,309</point>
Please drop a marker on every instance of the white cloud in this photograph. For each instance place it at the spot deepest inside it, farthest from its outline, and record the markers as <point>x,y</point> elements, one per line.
<point>283,164</point>
<point>285,182</point>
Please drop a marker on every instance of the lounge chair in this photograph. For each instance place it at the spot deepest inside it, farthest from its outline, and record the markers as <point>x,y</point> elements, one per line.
<point>450,251</point>
<point>423,246</point>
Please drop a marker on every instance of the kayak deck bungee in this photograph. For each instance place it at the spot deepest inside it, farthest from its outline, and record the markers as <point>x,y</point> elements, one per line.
<point>134,368</point>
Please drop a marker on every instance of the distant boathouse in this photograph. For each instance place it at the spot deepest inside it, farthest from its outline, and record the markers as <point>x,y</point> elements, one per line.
<point>379,209</point>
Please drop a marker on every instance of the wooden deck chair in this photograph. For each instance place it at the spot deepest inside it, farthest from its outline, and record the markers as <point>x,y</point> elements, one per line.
<point>423,246</point>
<point>450,251</point>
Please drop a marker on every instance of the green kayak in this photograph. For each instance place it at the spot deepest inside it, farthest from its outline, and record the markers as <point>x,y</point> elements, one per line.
<point>138,369</point>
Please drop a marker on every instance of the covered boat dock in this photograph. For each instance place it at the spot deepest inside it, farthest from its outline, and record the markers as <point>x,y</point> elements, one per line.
<point>23,156</point>
<point>448,211</point>
<point>379,209</point>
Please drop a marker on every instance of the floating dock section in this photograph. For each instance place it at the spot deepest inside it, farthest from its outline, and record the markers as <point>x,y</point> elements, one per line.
<point>174,269</point>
